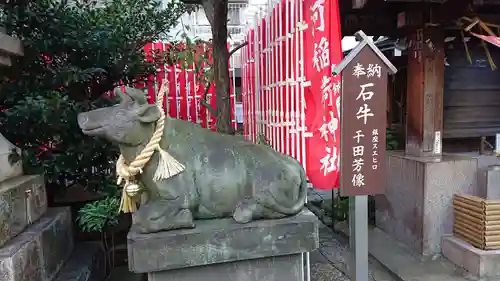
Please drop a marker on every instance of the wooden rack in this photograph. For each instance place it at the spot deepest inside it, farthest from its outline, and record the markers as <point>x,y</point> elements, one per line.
<point>477,221</point>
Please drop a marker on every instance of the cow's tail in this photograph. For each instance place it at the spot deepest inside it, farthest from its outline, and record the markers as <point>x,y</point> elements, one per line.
<point>301,200</point>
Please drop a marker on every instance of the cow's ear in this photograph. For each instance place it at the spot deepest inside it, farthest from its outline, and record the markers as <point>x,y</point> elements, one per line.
<point>148,113</point>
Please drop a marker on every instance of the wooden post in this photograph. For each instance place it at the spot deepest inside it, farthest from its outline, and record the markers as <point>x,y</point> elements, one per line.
<point>425,92</point>
<point>363,124</point>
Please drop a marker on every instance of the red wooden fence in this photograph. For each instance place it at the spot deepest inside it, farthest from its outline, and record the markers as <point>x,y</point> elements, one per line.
<point>289,93</point>
<point>186,91</point>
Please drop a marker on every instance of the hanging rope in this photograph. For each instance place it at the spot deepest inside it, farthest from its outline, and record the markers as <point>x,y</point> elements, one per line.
<point>168,166</point>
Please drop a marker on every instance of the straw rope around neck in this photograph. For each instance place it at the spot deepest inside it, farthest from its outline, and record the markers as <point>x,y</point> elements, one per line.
<point>168,166</point>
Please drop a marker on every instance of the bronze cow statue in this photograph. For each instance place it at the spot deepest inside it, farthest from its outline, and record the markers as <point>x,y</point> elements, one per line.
<point>224,176</point>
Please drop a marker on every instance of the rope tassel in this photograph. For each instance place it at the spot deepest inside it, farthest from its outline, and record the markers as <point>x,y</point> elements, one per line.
<point>168,166</point>
<point>127,203</point>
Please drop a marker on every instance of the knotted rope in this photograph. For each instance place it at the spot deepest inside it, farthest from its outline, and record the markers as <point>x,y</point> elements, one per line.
<point>168,166</point>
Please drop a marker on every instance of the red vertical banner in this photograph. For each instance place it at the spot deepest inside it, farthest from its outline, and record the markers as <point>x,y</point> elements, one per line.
<point>322,49</point>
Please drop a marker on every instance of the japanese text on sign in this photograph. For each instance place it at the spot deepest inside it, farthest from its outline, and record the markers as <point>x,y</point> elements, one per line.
<point>364,112</point>
<point>363,120</point>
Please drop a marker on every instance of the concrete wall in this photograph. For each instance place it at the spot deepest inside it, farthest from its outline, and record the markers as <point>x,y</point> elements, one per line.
<point>416,208</point>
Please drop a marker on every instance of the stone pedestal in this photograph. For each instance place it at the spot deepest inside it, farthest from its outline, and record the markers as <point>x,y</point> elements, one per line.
<point>223,250</point>
<point>416,208</point>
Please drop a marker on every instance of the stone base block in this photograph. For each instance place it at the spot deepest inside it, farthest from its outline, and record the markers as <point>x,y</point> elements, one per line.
<point>416,208</point>
<point>282,268</point>
<point>256,250</point>
<point>22,200</point>
<point>85,264</point>
<point>38,253</point>
<point>482,264</point>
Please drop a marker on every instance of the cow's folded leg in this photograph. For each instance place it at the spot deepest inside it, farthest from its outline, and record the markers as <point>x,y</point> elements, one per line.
<point>249,209</point>
<point>162,215</point>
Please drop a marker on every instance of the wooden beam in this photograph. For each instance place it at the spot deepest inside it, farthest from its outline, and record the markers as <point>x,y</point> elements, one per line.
<point>425,87</point>
<point>10,45</point>
<point>372,22</point>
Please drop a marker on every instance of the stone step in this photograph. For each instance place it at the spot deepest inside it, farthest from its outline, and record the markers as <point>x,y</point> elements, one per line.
<point>87,263</point>
<point>38,253</point>
<point>22,200</point>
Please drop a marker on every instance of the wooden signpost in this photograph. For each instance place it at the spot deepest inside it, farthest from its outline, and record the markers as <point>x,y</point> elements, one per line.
<point>363,126</point>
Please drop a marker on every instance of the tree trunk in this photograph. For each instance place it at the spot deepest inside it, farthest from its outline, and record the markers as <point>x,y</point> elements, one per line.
<point>216,12</point>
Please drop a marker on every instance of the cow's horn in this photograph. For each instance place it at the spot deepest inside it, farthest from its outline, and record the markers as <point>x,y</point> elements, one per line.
<point>121,94</point>
<point>137,95</point>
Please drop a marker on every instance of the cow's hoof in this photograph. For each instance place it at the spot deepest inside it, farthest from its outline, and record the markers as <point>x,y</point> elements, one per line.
<point>184,219</point>
<point>242,215</point>
<point>244,212</point>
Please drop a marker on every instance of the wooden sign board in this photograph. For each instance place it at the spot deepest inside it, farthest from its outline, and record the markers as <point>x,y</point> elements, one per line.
<point>363,118</point>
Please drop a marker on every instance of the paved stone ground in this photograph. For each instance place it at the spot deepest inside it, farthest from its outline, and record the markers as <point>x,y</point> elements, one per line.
<point>319,195</point>
<point>335,251</point>
<point>324,270</point>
